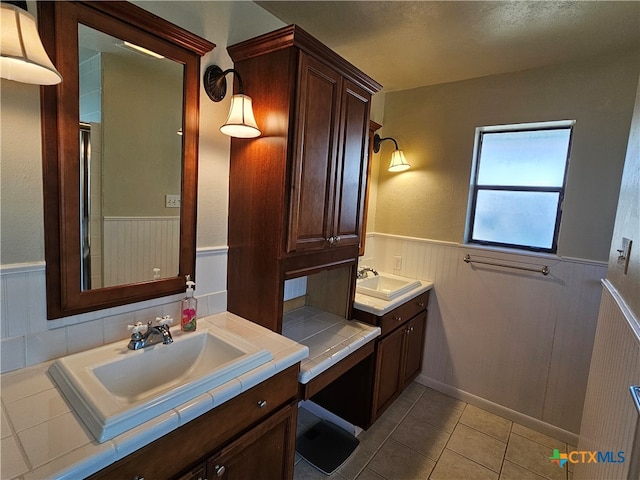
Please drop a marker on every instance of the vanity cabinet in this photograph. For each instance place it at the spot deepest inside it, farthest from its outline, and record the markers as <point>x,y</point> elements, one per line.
<point>399,349</point>
<point>296,193</point>
<point>258,453</point>
<point>253,432</point>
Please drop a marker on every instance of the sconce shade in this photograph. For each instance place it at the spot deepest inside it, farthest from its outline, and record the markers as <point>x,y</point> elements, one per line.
<point>241,123</point>
<point>23,58</point>
<point>398,162</point>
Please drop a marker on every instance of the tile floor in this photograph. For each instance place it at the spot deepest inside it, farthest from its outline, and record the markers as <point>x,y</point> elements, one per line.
<point>428,435</point>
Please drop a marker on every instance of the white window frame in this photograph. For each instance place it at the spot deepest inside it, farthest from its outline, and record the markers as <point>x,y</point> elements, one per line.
<point>474,188</point>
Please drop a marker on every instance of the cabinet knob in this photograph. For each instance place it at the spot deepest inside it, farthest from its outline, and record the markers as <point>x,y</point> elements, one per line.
<point>398,319</point>
<point>137,477</point>
<point>262,403</point>
<point>219,470</point>
<point>421,304</point>
<point>331,240</point>
<point>337,238</point>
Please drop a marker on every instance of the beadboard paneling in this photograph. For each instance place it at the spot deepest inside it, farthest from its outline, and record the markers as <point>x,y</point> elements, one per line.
<point>518,339</point>
<point>610,417</point>
<point>134,246</point>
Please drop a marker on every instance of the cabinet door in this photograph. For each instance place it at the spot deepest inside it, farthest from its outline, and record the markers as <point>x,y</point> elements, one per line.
<point>388,369</point>
<point>351,171</point>
<point>414,348</point>
<point>266,452</point>
<point>315,149</point>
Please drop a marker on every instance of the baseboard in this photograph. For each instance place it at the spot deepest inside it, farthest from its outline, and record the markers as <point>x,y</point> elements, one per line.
<point>530,422</point>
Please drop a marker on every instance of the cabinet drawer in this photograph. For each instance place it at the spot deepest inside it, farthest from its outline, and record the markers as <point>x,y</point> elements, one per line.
<point>197,439</point>
<point>260,401</point>
<point>396,317</point>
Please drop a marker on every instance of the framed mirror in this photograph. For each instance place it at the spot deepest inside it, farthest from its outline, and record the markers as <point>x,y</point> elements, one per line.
<point>120,149</point>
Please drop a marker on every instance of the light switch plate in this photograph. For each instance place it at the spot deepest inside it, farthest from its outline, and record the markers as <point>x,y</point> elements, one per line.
<point>172,201</point>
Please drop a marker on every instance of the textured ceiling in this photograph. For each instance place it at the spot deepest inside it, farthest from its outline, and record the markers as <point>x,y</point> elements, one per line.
<point>404,44</point>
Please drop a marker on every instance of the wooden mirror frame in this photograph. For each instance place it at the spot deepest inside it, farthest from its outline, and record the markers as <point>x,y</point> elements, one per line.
<point>58,25</point>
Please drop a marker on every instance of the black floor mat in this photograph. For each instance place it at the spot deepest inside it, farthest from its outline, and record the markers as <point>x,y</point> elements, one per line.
<point>326,446</point>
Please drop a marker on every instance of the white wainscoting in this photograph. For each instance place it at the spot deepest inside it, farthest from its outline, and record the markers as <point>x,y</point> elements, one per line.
<point>517,340</point>
<point>134,246</point>
<point>610,417</point>
<point>29,338</point>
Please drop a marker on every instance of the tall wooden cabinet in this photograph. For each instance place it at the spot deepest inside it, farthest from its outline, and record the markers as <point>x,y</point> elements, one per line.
<point>296,193</point>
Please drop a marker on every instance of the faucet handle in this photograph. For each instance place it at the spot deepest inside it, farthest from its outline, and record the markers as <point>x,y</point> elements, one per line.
<point>166,320</point>
<point>136,328</point>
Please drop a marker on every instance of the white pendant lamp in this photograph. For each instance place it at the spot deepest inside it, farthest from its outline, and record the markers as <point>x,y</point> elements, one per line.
<point>241,122</point>
<point>22,56</point>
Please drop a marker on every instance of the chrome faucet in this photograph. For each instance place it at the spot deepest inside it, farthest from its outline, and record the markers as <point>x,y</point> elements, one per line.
<point>362,272</point>
<point>152,335</point>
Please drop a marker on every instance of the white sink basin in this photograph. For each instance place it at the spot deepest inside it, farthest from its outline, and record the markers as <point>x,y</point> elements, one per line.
<point>385,286</point>
<point>114,389</point>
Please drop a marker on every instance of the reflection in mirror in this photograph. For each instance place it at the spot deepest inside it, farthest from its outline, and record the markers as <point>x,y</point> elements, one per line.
<point>131,156</point>
<point>120,142</point>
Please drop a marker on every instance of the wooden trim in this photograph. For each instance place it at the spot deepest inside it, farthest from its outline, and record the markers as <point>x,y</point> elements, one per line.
<point>373,127</point>
<point>308,390</point>
<point>58,23</point>
<point>140,18</point>
<point>294,36</point>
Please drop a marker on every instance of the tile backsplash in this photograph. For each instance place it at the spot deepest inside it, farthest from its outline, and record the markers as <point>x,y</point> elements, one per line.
<point>29,338</point>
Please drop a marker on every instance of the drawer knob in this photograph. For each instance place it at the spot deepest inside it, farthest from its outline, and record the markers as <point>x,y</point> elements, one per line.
<point>399,319</point>
<point>219,470</point>
<point>138,477</point>
<point>421,304</point>
<point>262,403</point>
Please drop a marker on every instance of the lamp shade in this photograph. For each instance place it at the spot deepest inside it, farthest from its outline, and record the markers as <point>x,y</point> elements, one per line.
<point>241,123</point>
<point>22,56</point>
<point>398,162</point>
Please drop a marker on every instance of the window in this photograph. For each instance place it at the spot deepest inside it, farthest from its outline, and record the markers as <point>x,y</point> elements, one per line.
<point>518,185</point>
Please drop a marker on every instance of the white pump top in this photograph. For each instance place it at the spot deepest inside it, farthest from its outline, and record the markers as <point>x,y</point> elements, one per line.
<point>190,286</point>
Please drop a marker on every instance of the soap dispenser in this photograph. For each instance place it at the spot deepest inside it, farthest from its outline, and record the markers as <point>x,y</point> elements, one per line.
<point>189,308</point>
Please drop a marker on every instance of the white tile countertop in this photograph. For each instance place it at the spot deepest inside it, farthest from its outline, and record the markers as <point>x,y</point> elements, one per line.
<point>330,338</point>
<point>43,438</point>
<point>379,307</point>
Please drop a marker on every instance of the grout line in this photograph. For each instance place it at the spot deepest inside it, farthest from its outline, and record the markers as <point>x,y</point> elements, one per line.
<point>504,457</point>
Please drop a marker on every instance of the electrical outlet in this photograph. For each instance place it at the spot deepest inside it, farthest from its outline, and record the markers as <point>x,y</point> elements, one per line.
<point>172,201</point>
<point>397,263</point>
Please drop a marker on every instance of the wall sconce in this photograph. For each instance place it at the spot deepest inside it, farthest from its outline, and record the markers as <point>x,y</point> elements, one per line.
<point>240,123</point>
<point>22,56</point>
<point>398,161</point>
